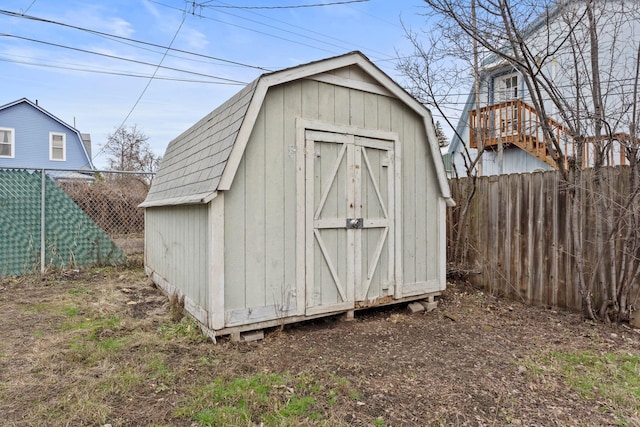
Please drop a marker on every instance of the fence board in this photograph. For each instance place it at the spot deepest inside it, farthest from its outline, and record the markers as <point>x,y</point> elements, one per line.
<point>518,235</point>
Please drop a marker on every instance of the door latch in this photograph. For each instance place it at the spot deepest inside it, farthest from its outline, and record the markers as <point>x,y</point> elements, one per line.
<point>354,223</point>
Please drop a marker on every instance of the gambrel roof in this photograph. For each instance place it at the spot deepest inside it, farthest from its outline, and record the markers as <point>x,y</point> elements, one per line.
<point>205,158</point>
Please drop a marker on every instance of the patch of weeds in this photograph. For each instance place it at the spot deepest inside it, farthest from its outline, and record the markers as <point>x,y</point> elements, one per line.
<point>611,377</point>
<point>71,311</point>
<point>158,368</point>
<point>81,289</point>
<point>112,344</point>
<point>344,388</point>
<point>223,415</point>
<point>73,408</point>
<point>261,399</point>
<point>354,394</point>
<point>38,333</point>
<point>176,307</point>
<point>107,269</point>
<point>206,361</point>
<point>93,339</point>
<point>379,422</point>
<point>332,398</point>
<point>298,407</point>
<point>185,328</point>
<point>121,381</point>
<point>160,375</point>
<point>93,325</point>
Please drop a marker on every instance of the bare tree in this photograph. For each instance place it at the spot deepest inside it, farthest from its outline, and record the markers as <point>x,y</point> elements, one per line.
<point>582,84</point>
<point>128,150</point>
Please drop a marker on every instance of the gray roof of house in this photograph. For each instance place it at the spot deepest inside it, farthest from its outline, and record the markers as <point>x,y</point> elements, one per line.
<point>194,161</point>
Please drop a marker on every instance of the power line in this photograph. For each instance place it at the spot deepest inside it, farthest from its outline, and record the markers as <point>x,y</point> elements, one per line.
<point>113,73</point>
<point>298,6</point>
<point>146,86</point>
<point>120,58</point>
<point>291,25</point>
<point>333,52</point>
<point>27,9</point>
<point>113,36</point>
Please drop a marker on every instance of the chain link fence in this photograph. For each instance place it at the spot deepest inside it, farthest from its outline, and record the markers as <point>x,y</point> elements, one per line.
<point>69,218</point>
<point>111,200</point>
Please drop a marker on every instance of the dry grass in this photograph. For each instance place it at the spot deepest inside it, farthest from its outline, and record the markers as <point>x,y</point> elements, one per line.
<point>102,346</point>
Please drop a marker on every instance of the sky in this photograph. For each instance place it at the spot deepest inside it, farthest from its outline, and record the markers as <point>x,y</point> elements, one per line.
<point>94,64</point>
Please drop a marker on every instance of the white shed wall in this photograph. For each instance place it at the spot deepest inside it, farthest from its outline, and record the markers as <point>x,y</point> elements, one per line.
<point>260,207</point>
<point>176,249</point>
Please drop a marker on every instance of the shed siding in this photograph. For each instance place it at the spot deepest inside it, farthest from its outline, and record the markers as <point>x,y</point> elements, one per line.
<point>422,215</point>
<point>176,249</point>
<point>260,207</point>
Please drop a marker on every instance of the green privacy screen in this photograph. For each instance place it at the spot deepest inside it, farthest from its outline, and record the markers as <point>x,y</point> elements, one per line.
<point>71,238</point>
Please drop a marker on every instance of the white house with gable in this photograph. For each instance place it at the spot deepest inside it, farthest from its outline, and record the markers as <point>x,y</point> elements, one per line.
<point>505,122</point>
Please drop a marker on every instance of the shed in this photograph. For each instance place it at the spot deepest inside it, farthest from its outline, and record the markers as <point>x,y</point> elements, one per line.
<point>315,190</point>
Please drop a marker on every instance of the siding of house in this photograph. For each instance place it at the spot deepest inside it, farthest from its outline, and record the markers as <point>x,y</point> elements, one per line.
<point>32,129</point>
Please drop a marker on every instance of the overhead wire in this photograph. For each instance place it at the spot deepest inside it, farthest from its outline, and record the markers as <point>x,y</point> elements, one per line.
<point>294,26</point>
<point>342,47</point>
<point>333,52</point>
<point>121,58</point>
<point>114,73</point>
<point>295,6</point>
<point>27,9</point>
<point>114,36</point>
<point>184,17</point>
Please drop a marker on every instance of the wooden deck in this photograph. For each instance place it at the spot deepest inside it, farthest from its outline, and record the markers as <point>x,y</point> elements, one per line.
<point>516,124</point>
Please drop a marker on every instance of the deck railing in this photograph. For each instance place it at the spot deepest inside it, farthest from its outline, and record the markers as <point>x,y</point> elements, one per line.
<point>517,123</point>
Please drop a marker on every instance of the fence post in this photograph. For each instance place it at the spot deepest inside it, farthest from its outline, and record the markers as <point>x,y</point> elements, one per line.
<point>42,222</point>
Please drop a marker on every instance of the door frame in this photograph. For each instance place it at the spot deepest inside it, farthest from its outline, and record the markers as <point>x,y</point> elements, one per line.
<point>302,245</point>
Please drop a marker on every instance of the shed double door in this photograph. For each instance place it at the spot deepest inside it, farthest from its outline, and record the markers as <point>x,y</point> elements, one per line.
<point>349,217</point>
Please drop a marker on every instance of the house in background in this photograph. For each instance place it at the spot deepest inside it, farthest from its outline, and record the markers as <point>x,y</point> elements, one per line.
<point>33,138</point>
<point>315,190</point>
<point>506,123</point>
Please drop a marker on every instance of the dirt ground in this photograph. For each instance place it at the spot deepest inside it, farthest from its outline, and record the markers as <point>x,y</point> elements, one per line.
<point>470,362</point>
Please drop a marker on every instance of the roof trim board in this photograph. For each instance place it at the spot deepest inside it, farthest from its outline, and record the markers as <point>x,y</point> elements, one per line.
<point>193,199</point>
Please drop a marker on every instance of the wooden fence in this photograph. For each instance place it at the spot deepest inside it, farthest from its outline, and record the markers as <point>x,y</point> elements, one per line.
<point>517,236</point>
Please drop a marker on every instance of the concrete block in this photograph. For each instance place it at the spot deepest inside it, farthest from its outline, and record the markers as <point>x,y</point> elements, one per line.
<point>415,307</point>
<point>430,305</point>
<point>348,316</point>
<point>253,336</point>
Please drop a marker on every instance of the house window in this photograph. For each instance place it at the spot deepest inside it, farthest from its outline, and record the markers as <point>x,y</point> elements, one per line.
<point>511,85</point>
<point>57,146</point>
<point>507,88</point>
<point>7,143</point>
